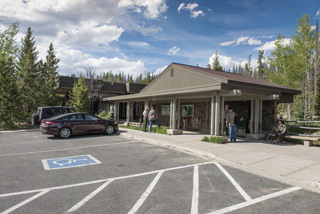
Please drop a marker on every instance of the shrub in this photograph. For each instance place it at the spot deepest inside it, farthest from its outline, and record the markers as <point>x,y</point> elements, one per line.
<point>213,139</point>
<point>104,115</point>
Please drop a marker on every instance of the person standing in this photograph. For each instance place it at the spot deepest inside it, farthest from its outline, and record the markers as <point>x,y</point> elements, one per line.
<point>230,123</point>
<point>145,118</point>
<point>185,118</point>
<point>226,111</point>
<point>153,117</point>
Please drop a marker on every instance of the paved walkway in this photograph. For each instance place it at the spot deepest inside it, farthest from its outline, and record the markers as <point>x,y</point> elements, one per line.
<point>290,163</point>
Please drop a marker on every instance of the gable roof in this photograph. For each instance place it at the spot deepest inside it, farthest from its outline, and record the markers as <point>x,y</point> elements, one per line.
<point>236,77</point>
<point>184,79</point>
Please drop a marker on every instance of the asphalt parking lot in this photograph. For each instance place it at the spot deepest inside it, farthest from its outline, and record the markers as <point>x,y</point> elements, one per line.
<point>113,174</point>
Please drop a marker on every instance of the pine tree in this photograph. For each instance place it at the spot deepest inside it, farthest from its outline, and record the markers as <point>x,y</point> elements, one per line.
<point>79,96</point>
<point>247,67</point>
<point>317,101</point>
<point>261,65</point>
<point>9,95</point>
<point>28,75</point>
<point>50,76</point>
<point>216,64</point>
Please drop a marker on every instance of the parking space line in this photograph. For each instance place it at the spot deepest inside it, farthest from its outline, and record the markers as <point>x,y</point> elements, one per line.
<point>254,201</point>
<point>104,180</point>
<point>145,195</point>
<point>195,192</point>
<point>88,197</point>
<point>25,202</point>
<point>57,150</point>
<point>234,182</point>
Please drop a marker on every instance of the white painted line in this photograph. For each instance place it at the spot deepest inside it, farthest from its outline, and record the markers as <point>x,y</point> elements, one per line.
<point>195,193</point>
<point>145,195</point>
<point>88,197</point>
<point>254,201</point>
<point>103,180</point>
<point>25,202</point>
<point>65,149</point>
<point>234,182</point>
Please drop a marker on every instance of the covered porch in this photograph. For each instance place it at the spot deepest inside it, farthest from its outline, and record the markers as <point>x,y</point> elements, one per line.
<point>205,93</point>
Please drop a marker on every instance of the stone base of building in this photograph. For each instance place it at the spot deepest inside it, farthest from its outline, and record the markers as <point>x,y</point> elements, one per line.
<point>255,136</point>
<point>174,131</point>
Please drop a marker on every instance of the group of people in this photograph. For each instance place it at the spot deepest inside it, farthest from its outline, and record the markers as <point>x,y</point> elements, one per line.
<point>152,116</point>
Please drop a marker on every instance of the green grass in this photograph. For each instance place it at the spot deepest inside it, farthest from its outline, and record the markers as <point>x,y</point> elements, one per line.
<point>160,130</point>
<point>212,139</point>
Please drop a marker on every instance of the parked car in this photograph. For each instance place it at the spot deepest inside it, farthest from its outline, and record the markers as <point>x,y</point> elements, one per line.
<point>77,123</point>
<point>49,111</point>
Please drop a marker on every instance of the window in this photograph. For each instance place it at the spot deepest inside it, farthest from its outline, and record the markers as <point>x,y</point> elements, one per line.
<point>76,117</point>
<point>172,72</point>
<point>50,113</point>
<point>90,117</point>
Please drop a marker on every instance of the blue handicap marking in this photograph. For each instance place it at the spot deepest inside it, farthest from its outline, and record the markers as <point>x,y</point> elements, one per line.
<point>67,162</point>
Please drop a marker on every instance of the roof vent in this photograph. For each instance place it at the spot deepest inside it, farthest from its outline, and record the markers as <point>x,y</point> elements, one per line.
<point>172,72</point>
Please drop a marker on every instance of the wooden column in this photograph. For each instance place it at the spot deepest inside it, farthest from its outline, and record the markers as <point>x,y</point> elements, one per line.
<point>212,114</point>
<point>174,113</point>
<point>256,115</point>
<point>221,115</point>
<point>128,112</point>
<point>252,117</point>
<point>260,116</point>
<point>115,111</point>
<point>178,113</point>
<point>217,115</point>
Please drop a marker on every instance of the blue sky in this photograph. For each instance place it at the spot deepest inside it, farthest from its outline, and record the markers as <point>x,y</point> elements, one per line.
<point>140,36</point>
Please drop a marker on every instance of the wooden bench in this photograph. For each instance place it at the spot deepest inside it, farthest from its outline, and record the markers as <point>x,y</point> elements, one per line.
<point>307,141</point>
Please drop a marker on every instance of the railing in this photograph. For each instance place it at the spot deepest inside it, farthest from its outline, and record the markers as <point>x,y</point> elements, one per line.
<point>304,127</point>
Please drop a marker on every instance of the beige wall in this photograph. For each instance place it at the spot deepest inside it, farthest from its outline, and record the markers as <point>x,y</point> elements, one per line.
<point>181,79</point>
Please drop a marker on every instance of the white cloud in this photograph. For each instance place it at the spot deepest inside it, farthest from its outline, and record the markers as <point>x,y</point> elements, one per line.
<point>253,41</point>
<point>75,61</point>
<point>226,62</point>
<point>181,6</point>
<point>138,44</point>
<point>160,70</point>
<point>241,39</point>
<point>313,27</point>
<point>227,43</point>
<point>152,9</point>
<point>173,51</point>
<point>318,13</point>
<point>268,46</point>
<point>190,7</point>
<point>89,34</point>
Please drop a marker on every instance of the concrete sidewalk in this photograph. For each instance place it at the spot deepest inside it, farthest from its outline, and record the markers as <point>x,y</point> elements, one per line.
<point>290,163</point>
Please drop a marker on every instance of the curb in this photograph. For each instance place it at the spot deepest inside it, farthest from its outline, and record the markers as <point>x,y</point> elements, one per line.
<point>20,130</point>
<point>188,150</point>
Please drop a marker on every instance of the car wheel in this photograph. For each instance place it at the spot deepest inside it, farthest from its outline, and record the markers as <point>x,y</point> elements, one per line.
<point>109,130</point>
<point>65,133</point>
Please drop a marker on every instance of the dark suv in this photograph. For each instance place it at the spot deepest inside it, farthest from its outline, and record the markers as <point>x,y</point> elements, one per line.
<point>49,111</point>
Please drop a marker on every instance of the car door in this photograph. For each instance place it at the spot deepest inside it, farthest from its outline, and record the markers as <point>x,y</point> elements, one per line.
<point>94,124</point>
<point>77,124</point>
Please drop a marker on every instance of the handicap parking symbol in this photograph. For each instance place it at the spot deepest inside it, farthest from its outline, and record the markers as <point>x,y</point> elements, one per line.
<point>68,162</point>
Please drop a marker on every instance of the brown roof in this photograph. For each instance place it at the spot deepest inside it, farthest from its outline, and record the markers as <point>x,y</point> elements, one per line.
<point>67,83</point>
<point>236,77</point>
